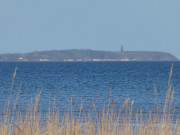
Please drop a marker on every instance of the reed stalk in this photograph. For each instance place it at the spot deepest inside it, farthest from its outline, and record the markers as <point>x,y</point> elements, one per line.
<point>106,122</point>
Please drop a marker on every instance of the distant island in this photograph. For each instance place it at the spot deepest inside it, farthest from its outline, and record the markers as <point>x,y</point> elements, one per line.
<point>88,55</point>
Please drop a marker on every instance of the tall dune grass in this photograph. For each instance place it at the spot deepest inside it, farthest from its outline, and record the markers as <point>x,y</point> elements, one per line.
<point>107,122</point>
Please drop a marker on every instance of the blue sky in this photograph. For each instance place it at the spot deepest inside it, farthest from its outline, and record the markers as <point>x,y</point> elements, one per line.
<point>138,25</point>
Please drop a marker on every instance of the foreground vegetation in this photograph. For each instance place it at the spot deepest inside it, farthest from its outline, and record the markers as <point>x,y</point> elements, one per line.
<point>107,122</point>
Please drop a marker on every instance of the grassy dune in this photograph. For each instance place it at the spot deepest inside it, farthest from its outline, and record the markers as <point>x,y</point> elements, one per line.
<point>106,122</point>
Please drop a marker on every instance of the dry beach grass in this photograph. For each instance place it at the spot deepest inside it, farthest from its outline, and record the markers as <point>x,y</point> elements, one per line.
<point>106,122</point>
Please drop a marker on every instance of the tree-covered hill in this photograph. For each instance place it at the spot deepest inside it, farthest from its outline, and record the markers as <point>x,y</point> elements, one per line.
<point>88,55</point>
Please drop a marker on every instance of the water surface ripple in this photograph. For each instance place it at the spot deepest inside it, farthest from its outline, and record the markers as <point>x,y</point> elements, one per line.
<point>90,82</point>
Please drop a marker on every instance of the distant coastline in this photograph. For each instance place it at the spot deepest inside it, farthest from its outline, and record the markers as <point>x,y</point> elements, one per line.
<point>88,55</point>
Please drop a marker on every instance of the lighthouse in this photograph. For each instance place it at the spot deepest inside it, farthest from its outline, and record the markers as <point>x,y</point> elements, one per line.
<point>122,49</point>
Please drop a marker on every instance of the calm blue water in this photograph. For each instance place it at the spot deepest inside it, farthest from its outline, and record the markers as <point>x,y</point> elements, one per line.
<point>89,83</point>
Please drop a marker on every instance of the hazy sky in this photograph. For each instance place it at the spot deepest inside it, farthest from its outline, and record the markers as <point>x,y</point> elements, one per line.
<point>149,25</point>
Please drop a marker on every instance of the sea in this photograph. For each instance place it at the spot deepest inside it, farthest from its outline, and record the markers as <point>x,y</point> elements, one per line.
<point>88,84</point>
